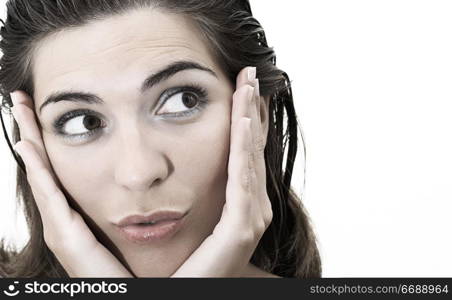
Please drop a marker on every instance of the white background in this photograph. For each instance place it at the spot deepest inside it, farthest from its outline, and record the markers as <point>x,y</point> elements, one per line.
<point>372,82</point>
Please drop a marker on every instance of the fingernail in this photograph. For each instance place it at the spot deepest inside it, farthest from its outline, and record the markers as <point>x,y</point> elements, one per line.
<point>251,94</point>
<point>251,74</point>
<point>256,88</point>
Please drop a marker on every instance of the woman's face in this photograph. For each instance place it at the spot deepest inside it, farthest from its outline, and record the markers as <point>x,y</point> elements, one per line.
<point>137,146</point>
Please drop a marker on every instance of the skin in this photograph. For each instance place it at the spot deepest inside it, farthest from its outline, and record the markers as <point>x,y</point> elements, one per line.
<point>158,155</point>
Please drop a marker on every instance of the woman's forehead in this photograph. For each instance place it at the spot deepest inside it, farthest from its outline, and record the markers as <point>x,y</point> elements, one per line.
<point>131,44</point>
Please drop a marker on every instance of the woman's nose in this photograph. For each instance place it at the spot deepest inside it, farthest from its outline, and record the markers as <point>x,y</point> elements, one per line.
<point>139,163</point>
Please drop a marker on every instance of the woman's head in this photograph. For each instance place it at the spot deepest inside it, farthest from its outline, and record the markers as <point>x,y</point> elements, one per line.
<point>148,128</point>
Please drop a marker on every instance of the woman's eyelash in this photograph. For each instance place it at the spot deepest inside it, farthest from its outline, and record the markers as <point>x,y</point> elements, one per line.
<point>59,123</point>
<point>199,91</point>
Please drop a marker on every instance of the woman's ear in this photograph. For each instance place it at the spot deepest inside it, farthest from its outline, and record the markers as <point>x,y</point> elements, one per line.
<point>264,116</point>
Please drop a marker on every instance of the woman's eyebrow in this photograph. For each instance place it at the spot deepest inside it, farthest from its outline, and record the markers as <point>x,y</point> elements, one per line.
<point>149,82</point>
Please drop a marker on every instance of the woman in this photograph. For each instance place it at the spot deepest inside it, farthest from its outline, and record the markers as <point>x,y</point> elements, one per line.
<point>150,137</point>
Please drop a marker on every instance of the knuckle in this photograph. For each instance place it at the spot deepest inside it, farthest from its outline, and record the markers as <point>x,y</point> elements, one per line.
<point>251,162</point>
<point>246,180</point>
<point>259,146</point>
<point>251,159</point>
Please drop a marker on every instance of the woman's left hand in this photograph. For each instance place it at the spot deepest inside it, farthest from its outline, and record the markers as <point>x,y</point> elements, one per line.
<point>65,232</point>
<point>247,212</point>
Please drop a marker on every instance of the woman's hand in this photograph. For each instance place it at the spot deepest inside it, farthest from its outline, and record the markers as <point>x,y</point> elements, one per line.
<point>65,232</point>
<point>247,212</point>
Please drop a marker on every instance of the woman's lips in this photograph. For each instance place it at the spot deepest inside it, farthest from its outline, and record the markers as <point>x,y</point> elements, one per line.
<point>144,234</point>
<point>165,225</point>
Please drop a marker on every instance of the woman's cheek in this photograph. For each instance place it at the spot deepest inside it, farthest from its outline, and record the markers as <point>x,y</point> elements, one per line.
<point>75,174</point>
<point>210,147</point>
<point>202,170</point>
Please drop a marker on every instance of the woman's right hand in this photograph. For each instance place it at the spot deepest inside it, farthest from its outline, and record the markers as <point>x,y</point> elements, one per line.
<point>65,232</point>
<point>247,212</point>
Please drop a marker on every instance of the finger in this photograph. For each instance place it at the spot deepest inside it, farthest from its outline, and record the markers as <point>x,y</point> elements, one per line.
<point>257,135</point>
<point>246,75</point>
<point>239,175</point>
<point>257,158</point>
<point>240,107</point>
<point>23,112</point>
<point>241,208</point>
<point>245,79</point>
<point>50,200</point>
<point>261,173</point>
<point>257,161</point>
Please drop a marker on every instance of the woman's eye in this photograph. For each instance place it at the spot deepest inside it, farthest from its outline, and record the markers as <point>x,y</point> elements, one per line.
<point>183,102</point>
<point>79,123</point>
<point>82,124</point>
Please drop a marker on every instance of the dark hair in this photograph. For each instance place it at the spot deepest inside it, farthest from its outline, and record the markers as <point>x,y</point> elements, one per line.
<point>288,248</point>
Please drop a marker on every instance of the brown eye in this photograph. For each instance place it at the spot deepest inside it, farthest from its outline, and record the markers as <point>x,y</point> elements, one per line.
<point>91,122</point>
<point>82,125</point>
<point>180,102</point>
<point>189,99</point>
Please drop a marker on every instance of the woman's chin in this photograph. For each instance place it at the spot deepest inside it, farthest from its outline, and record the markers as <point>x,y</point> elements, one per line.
<point>153,264</point>
<point>160,260</point>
